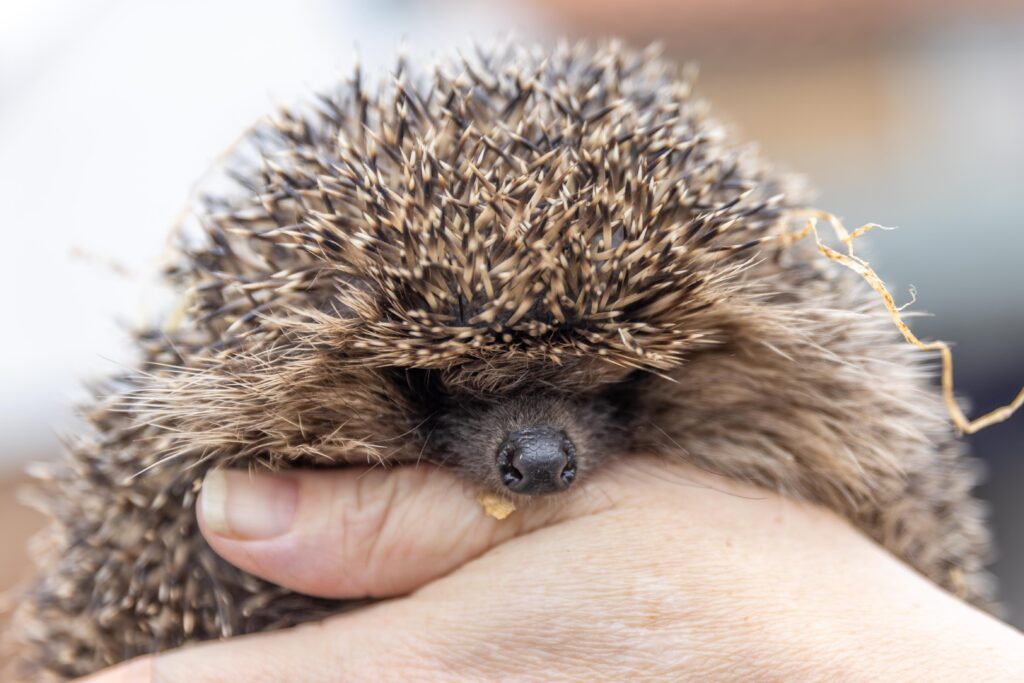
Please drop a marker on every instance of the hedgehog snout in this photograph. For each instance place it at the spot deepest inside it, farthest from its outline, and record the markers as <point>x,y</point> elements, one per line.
<point>537,460</point>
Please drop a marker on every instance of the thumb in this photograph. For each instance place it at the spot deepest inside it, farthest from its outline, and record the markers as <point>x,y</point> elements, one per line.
<point>353,532</point>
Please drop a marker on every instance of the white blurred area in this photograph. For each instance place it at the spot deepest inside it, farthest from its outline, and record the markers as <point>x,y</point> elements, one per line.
<point>110,111</point>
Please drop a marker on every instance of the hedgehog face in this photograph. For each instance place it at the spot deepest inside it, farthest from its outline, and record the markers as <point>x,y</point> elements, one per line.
<point>532,439</point>
<point>513,354</point>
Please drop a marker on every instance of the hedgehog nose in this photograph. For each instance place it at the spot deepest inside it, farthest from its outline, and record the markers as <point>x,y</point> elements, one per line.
<point>537,460</point>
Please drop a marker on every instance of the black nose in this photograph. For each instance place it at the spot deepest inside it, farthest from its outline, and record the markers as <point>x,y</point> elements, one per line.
<point>537,460</point>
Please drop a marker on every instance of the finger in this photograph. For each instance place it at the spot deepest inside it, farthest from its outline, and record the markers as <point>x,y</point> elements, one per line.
<point>353,532</point>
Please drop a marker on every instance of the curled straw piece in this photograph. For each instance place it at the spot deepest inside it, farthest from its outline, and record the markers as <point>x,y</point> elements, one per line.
<point>861,267</point>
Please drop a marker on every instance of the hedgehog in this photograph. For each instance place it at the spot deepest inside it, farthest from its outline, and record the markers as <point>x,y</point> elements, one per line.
<point>518,264</point>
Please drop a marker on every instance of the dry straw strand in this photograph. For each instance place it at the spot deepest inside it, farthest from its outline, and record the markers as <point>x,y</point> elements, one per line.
<point>862,268</point>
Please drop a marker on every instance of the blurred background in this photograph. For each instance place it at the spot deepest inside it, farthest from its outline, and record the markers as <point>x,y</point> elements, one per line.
<point>901,112</point>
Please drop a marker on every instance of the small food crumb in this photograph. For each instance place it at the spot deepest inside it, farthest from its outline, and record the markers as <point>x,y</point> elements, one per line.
<point>496,506</point>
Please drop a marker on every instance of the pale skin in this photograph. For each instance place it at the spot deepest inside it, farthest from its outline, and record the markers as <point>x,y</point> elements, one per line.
<point>650,570</point>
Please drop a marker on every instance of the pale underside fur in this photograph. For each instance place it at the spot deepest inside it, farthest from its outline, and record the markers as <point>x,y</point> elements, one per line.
<point>515,222</point>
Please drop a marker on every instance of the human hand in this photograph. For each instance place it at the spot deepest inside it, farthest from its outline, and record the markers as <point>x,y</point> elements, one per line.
<point>652,570</point>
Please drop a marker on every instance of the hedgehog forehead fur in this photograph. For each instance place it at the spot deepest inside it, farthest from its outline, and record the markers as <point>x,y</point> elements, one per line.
<point>573,213</point>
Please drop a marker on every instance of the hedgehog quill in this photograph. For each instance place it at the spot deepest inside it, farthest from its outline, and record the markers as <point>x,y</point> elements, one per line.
<point>517,265</point>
